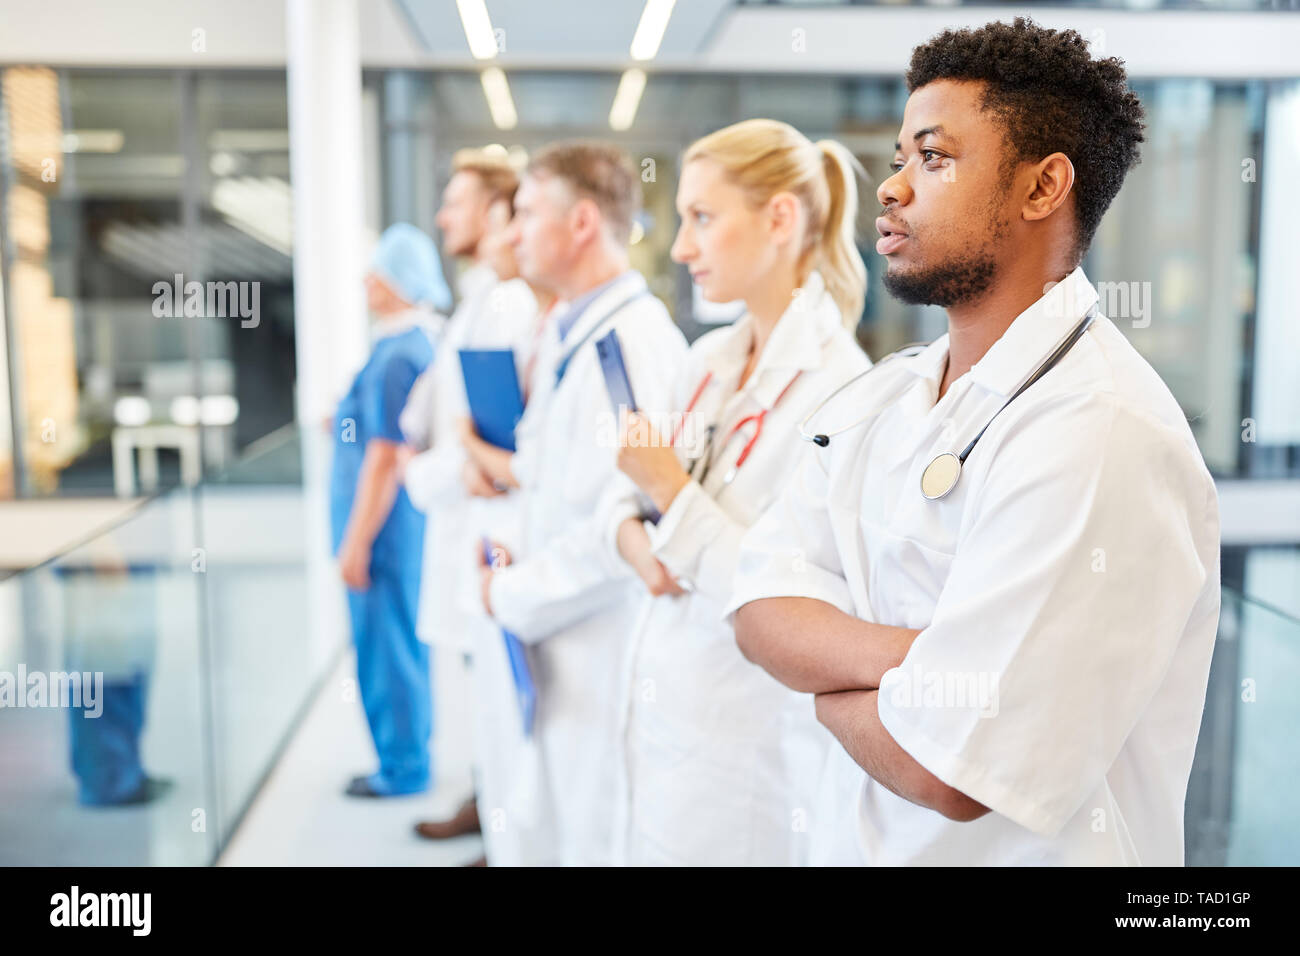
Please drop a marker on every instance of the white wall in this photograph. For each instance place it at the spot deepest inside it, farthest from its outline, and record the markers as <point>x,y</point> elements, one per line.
<point>1276,407</point>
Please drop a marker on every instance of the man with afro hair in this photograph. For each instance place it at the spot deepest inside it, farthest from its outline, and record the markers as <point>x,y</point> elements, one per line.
<point>1005,585</point>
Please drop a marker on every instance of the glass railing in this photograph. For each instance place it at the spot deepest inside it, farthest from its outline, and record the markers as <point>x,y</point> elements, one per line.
<point>155,671</point>
<point>1241,803</point>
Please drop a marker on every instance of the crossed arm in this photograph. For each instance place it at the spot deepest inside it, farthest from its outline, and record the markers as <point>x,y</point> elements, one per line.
<point>841,659</point>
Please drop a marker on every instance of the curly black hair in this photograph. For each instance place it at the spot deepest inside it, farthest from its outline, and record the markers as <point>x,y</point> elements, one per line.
<point>1050,96</point>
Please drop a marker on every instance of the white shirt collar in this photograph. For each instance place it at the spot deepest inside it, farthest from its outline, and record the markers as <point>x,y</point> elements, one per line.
<point>626,286</point>
<point>796,342</point>
<point>1034,333</point>
<point>930,362</point>
<point>1027,341</point>
<point>476,279</point>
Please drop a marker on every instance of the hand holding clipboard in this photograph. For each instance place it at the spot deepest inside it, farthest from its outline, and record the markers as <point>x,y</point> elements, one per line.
<point>610,352</point>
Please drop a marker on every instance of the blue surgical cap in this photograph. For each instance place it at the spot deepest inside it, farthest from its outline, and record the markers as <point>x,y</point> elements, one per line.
<point>407,259</point>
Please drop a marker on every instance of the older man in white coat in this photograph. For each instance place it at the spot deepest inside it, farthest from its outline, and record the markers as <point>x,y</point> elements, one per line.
<point>562,594</point>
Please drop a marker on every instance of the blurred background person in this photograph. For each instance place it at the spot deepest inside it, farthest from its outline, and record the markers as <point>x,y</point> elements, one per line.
<point>562,596</point>
<point>109,627</point>
<point>492,313</point>
<point>722,758</point>
<point>378,535</point>
<point>491,511</point>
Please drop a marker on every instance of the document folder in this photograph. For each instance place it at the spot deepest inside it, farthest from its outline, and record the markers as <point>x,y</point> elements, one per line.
<point>496,402</point>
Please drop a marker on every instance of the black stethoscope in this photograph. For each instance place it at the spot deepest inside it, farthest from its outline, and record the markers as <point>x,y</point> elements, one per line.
<point>942,474</point>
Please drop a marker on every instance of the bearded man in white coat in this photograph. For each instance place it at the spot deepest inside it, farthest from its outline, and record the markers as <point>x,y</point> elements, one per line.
<point>1015,662</point>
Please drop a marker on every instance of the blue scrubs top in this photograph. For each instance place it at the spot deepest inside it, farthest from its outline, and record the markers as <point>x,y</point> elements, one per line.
<point>370,410</point>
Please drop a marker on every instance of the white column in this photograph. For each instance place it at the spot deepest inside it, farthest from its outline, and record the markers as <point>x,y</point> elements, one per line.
<point>324,68</point>
<point>1277,333</point>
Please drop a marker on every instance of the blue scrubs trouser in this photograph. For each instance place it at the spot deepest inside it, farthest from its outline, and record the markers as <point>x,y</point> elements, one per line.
<point>105,750</point>
<point>393,672</point>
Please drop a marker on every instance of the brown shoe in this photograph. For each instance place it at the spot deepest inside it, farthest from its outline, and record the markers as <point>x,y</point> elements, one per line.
<point>464,822</point>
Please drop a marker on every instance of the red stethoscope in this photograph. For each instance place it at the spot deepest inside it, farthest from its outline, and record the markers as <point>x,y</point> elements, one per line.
<point>706,455</point>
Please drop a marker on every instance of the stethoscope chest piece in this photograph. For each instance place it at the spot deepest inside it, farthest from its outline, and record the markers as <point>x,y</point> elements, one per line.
<point>940,476</point>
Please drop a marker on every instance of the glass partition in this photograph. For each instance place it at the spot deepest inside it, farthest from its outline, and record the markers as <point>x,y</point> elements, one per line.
<point>147,275</point>
<point>150,676</point>
<point>104,739</point>
<point>264,664</point>
<point>1241,806</point>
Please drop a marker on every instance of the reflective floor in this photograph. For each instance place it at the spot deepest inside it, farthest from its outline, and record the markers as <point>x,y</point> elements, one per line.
<point>191,615</point>
<point>301,816</point>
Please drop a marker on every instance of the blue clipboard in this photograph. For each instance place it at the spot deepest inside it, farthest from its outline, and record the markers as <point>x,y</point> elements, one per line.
<point>610,352</point>
<point>496,401</point>
<point>525,689</point>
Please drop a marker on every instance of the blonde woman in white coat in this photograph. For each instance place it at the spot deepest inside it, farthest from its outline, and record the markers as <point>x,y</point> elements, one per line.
<point>719,759</point>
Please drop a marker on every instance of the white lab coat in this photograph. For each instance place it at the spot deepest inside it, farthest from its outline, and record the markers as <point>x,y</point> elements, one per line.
<point>492,314</point>
<point>563,596</point>
<point>721,760</point>
<point>507,761</point>
<point>1067,592</point>
<point>418,418</point>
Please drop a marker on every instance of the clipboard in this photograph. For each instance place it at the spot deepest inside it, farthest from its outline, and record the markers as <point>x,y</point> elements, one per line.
<point>610,352</point>
<point>496,402</point>
<point>525,689</point>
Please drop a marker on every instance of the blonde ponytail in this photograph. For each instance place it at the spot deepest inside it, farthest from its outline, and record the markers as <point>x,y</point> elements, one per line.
<point>841,263</point>
<point>765,157</point>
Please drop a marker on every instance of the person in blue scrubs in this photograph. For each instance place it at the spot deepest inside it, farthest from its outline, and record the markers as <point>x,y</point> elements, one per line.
<point>105,749</point>
<point>378,535</point>
<point>110,630</point>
